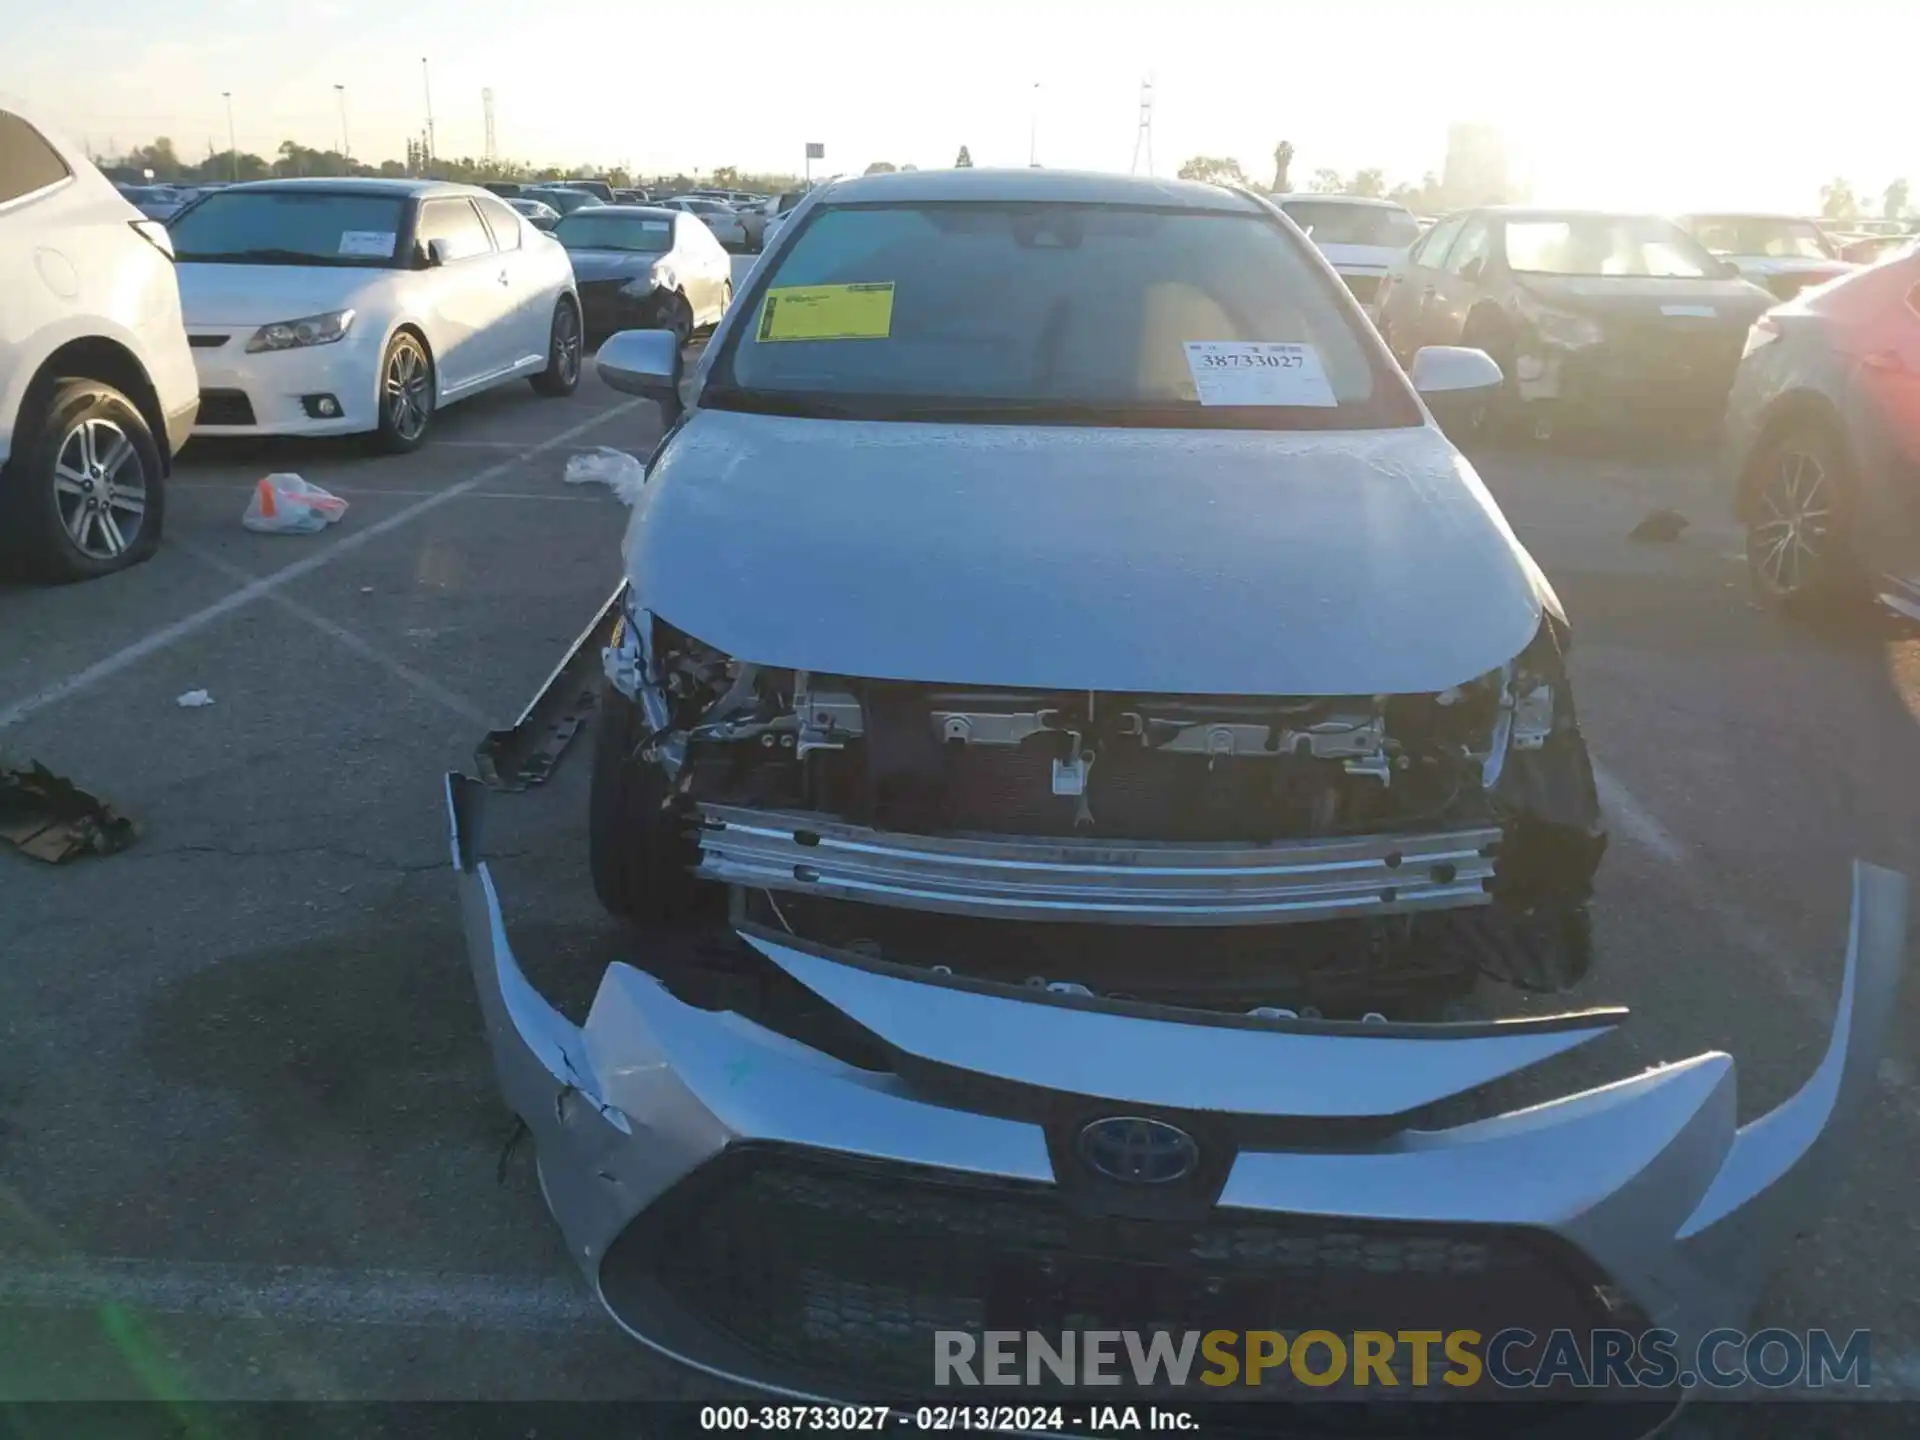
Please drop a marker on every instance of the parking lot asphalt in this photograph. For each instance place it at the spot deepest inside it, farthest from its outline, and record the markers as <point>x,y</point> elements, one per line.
<point>250,1145</point>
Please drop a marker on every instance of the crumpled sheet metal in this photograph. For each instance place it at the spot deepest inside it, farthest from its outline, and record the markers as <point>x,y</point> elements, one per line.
<point>48,817</point>
<point>1651,1177</point>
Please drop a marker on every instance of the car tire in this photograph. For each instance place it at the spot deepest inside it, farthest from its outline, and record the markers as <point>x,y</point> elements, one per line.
<point>1798,515</point>
<point>640,855</point>
<point>405,395</point>
<point>677,315</point>
<point>85,496</point>
<point>564,345</point>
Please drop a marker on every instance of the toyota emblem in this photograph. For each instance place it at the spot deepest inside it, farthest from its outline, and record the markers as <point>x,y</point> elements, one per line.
<point>1133,1150</point>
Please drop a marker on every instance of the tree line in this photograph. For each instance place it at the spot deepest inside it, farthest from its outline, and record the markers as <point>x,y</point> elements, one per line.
<point>293,159</point>
<point>1838,200</point>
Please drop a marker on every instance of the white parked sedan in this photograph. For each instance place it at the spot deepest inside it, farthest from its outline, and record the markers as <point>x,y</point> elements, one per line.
<point>721,218</point>
<point>336,307</point>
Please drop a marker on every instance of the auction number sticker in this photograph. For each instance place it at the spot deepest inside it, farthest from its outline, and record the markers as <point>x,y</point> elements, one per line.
<point>1258,372</point>
<point>827,312</point>
<point>367,242</point>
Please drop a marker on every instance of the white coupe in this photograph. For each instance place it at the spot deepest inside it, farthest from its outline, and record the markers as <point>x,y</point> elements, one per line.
<point>337,307</point>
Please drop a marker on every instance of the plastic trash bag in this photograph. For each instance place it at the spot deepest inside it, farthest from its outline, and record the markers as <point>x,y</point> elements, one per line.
<point>616,469</point>
<point>288,505</point>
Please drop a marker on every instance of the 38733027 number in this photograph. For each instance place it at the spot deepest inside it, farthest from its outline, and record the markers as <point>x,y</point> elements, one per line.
<point>795,1417</point>
<point>1240,360</point>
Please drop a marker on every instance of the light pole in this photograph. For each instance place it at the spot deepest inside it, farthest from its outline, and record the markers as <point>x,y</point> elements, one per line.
<point>233,148</point>
<point>346,151</point>
<point>426,84</point>
<point>1033,129</point>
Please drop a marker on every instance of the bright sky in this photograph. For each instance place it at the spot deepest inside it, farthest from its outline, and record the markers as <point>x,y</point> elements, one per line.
<point>1675,105</point>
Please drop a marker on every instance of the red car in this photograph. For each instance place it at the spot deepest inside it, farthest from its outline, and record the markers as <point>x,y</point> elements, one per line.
<point>1823,441</point>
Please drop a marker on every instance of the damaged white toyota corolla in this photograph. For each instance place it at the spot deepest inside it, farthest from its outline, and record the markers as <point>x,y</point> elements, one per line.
<point>1122,723</point>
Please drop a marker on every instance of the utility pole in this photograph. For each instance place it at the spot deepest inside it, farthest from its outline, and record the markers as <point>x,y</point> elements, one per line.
<point>1033,128</point>
<point>346,150</point>
<point>426,84</point>
<point>486,106</point>
<point>1143,134</point>
<point>233,146</point>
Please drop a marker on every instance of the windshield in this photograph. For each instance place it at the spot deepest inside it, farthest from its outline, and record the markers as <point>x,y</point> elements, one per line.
<point>287,227</point>
<point>1779,239</point>
<point>1605,245</point>
<point>1332,223</point>
<point>1055,313</point>
<point>596,229</point>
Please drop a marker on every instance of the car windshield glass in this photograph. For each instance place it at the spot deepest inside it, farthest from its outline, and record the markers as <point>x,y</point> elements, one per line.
<point>1088,314</point>
<point>1605,245</point>
<point>1779,239</point>
<point>287,227</point>
<point>1335,224</point>
<point>598,230</point>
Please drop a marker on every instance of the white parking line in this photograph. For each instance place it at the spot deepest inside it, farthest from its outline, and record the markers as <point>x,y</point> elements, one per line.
<point>168,635</point>
<point>1639,825</point>
<point>303,1294</point>
<point>420,684</point>
<point>347,492</point>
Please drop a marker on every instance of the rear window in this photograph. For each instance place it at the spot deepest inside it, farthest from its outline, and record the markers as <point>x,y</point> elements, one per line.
<point>285,227</point>
<point>1332,223</point>
<point>599,230</point>
<point>27,162</point>
<point>1093,314</point>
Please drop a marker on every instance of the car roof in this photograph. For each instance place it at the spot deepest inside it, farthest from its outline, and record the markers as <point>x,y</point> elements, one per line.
<point>1746,215</point>
<point>1088,187</point>
<point>362,185</point>
<point>1378,202</point>
<point>1557,212</point>
<point>645,212</point>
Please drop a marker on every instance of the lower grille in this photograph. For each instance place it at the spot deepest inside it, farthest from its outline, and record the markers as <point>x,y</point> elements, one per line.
<point>825,1272</point>
<point>225,407</point>
<point>207,342</point>
<point>1364,287</point>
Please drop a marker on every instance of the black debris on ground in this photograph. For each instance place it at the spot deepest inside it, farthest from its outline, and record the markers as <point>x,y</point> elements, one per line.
<point>1662,527</point>
<point>50,818</point>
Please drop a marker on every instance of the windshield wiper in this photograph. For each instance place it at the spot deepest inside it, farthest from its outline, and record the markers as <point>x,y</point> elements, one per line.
<point>266,256</point>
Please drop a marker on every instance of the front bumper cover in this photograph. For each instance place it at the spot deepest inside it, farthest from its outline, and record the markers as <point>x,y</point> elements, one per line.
<point>1647,1186</point>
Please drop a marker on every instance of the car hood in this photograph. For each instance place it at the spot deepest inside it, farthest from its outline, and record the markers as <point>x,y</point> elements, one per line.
<point>1788,265</point>
<point>1371,259</point>
<point>611,264</point>
<point>265,294</point>
<point>1732,300</point>
<point>1157,561</point>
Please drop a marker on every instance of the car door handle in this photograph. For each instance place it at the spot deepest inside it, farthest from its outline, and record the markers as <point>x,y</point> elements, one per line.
<point>503,278</point>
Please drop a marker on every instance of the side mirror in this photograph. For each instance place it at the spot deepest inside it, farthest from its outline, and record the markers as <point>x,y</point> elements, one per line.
<point>1473,269</point>
<point>1455,382</point>
<point>647,363</point>
<point>1728,270</point>
<point>438,253</point>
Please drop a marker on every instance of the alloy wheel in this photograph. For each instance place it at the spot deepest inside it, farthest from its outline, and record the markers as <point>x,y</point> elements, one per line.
<point>566,344</point>
<point>408,385</point>
<point>1789,540</point>
<point>100,488</point>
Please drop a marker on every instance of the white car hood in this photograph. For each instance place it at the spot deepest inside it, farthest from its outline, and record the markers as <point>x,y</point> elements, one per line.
<point>265,294</point>
<point>1785,265</point>
<point>1156,561</point>
<point>1365,259</point>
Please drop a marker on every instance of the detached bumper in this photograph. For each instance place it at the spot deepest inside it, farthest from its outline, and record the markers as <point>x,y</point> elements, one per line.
<point>766,1212</point>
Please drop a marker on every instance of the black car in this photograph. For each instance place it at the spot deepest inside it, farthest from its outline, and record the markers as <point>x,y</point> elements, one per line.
<point>1591,316</point>
<point>561,198</point>
<point>505,189</point>
<point>599,189</point>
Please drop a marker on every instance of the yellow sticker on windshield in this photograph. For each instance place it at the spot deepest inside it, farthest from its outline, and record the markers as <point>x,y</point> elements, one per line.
<point>828,312</point>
